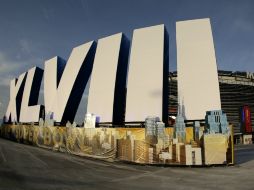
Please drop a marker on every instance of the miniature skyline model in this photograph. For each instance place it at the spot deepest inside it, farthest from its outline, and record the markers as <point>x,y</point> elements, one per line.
<point>198,133</point>
<point>216,122</point>
<point>179,127</point>
<point>215,141</point>
<point>151,130</point>
<point>150,125</point>
<point>90,120</point>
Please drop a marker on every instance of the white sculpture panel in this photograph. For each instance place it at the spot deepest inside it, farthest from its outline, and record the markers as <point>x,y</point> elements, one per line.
<point>103,85</point>
<point>198,86</point>
<point>146,74</point>
<point>13,109</point>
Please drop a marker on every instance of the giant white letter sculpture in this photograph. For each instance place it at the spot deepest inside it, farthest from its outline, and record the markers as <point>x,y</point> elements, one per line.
<point>147,77</point>
<point>198,86</point>
<point>16,92</point>
<point>64,87</point>
<point>108,80</point>
<point>30,111</point>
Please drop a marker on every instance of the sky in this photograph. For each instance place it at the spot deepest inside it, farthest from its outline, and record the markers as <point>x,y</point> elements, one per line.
<point>33,31</point>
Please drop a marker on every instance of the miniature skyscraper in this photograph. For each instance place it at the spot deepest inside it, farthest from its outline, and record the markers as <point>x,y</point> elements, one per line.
<point>216,122</point>
<point>154,129</point>
<point>197,131</point>
<point>179,127</point>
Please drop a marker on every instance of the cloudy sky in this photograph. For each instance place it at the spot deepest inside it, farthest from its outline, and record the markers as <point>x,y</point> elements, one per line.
<point>32,31</point>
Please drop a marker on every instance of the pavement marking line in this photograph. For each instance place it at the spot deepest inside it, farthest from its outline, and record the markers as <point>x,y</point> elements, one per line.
<point>35,157</point>
<point>85,162</point>
<point>95,162</point>
<point>2,154</point>
<point>75,161</point>
<point>134,177</point>
<point>130,168</point>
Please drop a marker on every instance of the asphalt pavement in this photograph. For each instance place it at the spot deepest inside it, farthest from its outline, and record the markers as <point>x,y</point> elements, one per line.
<point>28,167</point>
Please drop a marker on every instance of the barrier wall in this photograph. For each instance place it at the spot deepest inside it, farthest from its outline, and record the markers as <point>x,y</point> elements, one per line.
<point>128,144</point>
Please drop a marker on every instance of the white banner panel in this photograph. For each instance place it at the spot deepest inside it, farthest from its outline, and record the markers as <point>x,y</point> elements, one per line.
<point>198,86</point>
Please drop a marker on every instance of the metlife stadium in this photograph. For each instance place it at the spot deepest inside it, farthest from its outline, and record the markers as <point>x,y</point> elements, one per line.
<point>236,91</point>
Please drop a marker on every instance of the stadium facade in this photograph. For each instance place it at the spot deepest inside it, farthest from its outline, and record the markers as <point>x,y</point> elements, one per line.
<point>236,91</point>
